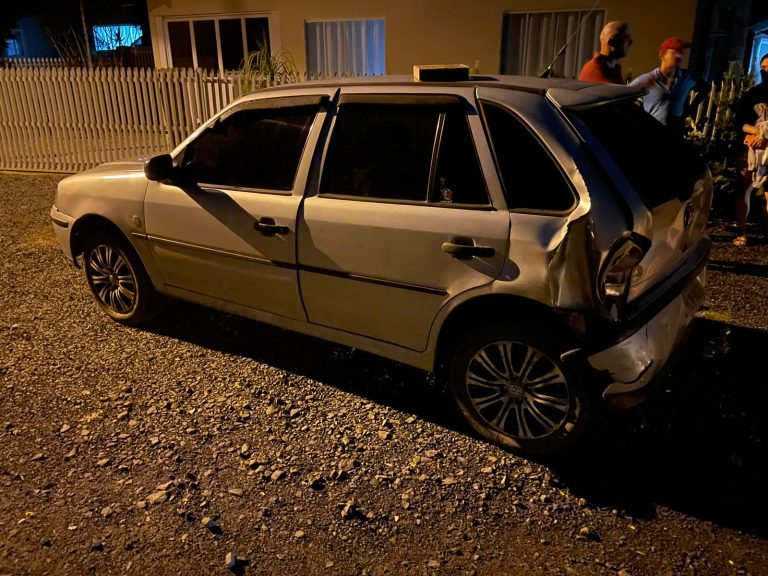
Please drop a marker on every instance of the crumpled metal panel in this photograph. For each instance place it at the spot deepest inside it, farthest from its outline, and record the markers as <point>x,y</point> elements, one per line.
<point>635,361</point>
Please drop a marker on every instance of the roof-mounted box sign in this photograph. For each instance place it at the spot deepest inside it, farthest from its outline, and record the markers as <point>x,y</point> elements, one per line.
<point>441,73</point>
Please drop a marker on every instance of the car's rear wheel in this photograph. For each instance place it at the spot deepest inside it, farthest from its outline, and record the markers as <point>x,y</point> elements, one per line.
<point>513,389</point>
<point>117,279</point>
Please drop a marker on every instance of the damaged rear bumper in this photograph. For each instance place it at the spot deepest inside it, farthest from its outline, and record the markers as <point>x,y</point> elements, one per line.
<point>637,360</point>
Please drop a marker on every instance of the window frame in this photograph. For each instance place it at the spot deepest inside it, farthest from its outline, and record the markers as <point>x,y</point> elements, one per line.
<point>406,100</point>
<point>278,103</point>
<point>543,145</point>
<point>273,27</point>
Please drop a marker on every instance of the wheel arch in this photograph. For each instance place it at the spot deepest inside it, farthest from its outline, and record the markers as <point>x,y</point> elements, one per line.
<point>495,309</point>
<point>85,226</point>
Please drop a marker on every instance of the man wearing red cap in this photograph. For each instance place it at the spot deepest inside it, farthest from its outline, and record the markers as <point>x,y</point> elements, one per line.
<point>668,85</point>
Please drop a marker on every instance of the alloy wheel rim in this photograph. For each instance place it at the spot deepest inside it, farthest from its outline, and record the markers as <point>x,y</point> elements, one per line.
<point>112,279</point>
<point>518,390</point>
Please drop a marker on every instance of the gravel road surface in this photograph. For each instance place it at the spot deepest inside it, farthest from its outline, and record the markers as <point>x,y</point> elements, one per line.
<point>210,444</point>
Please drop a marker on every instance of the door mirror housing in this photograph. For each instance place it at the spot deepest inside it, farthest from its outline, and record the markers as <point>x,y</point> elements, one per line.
<point>159,168</point>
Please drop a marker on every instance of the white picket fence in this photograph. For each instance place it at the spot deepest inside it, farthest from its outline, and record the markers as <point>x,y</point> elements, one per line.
<point>69,119</point>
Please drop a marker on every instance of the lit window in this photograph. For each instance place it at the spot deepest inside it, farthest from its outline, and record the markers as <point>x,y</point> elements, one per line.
<point>759,51</point>
<point>112,37</point>
<point>12,49</point>
<point>345,47</point>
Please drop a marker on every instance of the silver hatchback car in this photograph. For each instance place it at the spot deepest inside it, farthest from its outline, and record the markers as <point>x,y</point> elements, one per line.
<point>521,234</point>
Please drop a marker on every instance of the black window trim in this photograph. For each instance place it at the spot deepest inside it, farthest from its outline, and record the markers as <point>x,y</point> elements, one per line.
<point>433,100</point>
<point>533,211</point>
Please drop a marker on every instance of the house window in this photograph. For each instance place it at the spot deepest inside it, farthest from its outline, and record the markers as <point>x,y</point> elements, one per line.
<point>12,48</point>
<point>215,43</point>
<point>112,37</point>
<point>345,47</point>
<point>531,41</point>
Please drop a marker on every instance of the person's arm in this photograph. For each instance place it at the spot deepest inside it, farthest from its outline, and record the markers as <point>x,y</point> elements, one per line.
<point>745,114</point>
<point>644,80</point>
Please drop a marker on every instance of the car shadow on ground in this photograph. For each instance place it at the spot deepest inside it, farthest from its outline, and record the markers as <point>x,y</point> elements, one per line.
<point>697,447</point>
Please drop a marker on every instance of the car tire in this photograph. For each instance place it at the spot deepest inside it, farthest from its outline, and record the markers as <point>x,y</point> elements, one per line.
<point>513,389</point>
<point>117,279</point>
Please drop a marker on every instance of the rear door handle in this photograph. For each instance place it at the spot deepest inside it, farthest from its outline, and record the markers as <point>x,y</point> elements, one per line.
<point>267,226</point>
<point>465,248</point>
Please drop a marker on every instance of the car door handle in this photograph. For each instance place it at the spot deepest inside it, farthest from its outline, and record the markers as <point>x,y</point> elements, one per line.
<point>463,248</point>
<point>268,227</point>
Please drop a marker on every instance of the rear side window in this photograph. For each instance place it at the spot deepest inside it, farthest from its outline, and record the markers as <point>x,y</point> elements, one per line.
<point>657,163</point>
<point>531,178</point>
<point>458,178</point>
<point>251,149</point>
<point>380,151</point>
<point>386,152</point>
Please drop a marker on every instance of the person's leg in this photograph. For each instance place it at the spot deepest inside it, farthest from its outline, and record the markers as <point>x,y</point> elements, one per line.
<point>742,211</point>
<point>742,199</point>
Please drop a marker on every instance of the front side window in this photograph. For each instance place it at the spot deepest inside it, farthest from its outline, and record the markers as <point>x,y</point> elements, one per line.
<point>251,149</point>
<point>216,43</point>
<point>531,178</point>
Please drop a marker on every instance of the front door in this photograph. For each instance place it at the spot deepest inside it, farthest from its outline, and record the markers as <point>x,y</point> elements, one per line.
<point>402,220</point>
<point>232,235</point>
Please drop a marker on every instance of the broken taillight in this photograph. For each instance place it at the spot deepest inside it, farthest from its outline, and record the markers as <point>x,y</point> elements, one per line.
<point>616,276</point>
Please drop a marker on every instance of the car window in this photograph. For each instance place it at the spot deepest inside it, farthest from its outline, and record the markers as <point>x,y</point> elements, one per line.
<point>458,178</point>
<point>251,149</point>
<point>531,178</point>
<point>381,151</point>
<point>637,142</point>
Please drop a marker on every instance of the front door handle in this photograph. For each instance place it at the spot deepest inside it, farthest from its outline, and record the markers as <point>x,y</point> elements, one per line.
<point>268,227</point>
<point>466,248</point>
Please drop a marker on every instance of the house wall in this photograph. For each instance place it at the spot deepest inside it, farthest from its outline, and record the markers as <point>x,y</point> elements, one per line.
<point>439,31</point>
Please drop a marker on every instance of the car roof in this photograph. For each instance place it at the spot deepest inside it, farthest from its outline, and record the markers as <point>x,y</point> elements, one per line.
<point>564,92</point>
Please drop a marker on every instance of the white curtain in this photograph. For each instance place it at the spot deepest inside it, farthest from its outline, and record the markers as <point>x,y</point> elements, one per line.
<point>345,48</point>
<point>530,41</point>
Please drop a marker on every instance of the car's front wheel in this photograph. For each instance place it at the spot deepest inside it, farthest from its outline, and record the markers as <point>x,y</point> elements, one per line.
<point>513,389</point>
<point>117,279</point>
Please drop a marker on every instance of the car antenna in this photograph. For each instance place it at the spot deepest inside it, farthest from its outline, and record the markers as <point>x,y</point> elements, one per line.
<point>548,70</point>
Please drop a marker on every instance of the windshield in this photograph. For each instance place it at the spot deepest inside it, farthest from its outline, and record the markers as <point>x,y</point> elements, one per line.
<point>658,163</point>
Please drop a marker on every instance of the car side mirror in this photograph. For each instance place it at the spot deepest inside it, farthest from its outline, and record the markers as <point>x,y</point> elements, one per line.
<point>159,168</point>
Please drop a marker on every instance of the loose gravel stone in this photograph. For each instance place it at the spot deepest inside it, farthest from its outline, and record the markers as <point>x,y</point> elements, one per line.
<point>199,401</point>
<point>157,497</point>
